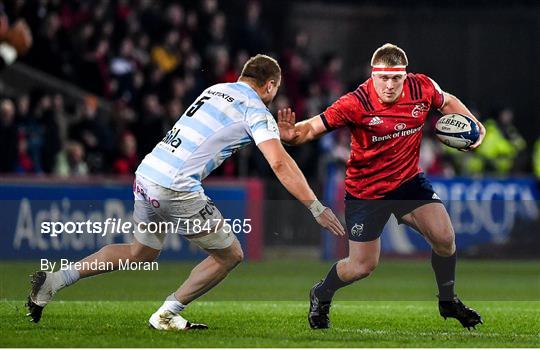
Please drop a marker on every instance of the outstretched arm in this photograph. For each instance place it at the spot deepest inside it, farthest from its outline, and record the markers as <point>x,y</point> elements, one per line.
<point>294,181</point>
<point>453,105</point>
<point>293,133</point>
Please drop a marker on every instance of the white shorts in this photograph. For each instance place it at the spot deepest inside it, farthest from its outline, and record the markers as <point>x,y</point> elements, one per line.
<point>184,213</point>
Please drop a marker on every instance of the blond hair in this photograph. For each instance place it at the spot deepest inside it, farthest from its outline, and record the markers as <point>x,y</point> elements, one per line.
<point>389,55</point>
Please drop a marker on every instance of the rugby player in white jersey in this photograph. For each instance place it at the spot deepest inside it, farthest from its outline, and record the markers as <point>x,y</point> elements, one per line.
<point>223,119</point>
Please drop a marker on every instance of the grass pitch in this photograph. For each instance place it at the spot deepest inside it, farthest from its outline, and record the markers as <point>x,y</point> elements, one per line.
<point>265,304</point>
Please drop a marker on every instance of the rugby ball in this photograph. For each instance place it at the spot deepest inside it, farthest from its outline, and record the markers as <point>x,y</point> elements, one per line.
<point>457,130</point>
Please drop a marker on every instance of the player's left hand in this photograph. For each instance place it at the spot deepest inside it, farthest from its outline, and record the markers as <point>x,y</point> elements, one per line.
<point>480,138</point>
<point>329,221</point>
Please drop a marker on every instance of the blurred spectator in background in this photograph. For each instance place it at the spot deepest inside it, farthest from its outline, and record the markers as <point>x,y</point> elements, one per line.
<point>298,74</point>
<point>70,161</point>
<point>122,69</point>
<point>51,143</point>
<point>126,161</point>
<point>93,69</point>
<point>536,159</point>
<point>51,48</point>
<point>8,137</point>
<point>432,160</point>
<point>166,55</point>
<point>252,35</point>
<point>503,145</point>
<point>150,59</point>
<point>174,110</point>
<point>25,163</point>
<point>329,78</point>
<point>32,131</point>
<point>93,134</point>
<point>152,126</point>
<point>505,122</point>
<point>435,158</point>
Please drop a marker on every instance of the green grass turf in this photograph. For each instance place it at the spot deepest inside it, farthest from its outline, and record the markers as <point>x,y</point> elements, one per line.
<point>264,305</point>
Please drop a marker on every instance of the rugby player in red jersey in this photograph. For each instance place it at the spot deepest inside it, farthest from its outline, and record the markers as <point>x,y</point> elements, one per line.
<point>386,115</point>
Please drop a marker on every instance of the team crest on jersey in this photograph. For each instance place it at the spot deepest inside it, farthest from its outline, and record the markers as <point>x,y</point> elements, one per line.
<point>357,230</point>
<point>400,126</point>
<point>375,121</point>
<point>418,109</point>
<point>271,124</point>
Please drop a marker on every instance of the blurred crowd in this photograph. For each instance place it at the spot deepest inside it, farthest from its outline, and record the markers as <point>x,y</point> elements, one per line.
<point>150,59</point>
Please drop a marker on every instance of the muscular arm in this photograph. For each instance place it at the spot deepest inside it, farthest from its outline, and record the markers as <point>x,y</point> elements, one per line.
<point>309,130</point>
<point>287,171</point>
<point>301,132</point>
<point>453,105</point>
<point>294,181</point>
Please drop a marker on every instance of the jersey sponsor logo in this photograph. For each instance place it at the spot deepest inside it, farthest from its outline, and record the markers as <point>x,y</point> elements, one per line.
<point>396,134</point>
<point>221,94</point>
<point>271,124</point>
<point>172,138</point>
<point>138,188</point>
<point>208,210</point>
<point>418,109</point>
<point>453,122</point>
<point>357,230</point>
<point>375,121</point>
<point>400,126</point>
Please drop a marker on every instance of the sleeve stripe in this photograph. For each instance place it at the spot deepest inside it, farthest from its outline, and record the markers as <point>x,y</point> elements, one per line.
<point>325,122</point>
<point>366,97</point>
<point>357,95</point>
<point>415,88</point>
<point>419,86</point>
<point>411,87</point>
<point>414,85</point>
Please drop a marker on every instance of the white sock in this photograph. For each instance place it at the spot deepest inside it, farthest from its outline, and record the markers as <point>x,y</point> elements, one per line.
<point>171,304</point>
<point>64,278</point>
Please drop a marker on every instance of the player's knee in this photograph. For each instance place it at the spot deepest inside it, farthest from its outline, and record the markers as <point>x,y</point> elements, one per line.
<point>233,258</point>
<point>444,244</point>
<point>236,257</point>
<point>363,270</point>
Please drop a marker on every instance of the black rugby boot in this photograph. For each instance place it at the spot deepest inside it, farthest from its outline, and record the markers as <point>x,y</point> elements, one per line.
<point>318,310</point>
<point>468,317</point>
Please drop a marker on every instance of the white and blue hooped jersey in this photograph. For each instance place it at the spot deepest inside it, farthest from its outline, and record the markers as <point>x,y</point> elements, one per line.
<point>223,119</point>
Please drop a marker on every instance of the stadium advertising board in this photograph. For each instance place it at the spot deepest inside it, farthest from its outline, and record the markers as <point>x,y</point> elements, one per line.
<point>483,211</point>
<point>31,209</point>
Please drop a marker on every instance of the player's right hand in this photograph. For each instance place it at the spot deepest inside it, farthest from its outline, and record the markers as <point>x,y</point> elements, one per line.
<point>329,221</point>
<point>286,121</point>
<point>480,138</point>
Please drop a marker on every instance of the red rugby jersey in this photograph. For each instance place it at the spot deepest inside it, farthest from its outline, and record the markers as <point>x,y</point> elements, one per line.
<point>385,139</point>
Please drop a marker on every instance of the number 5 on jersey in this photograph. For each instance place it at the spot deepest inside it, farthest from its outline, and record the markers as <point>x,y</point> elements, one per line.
<point>195,107</point>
